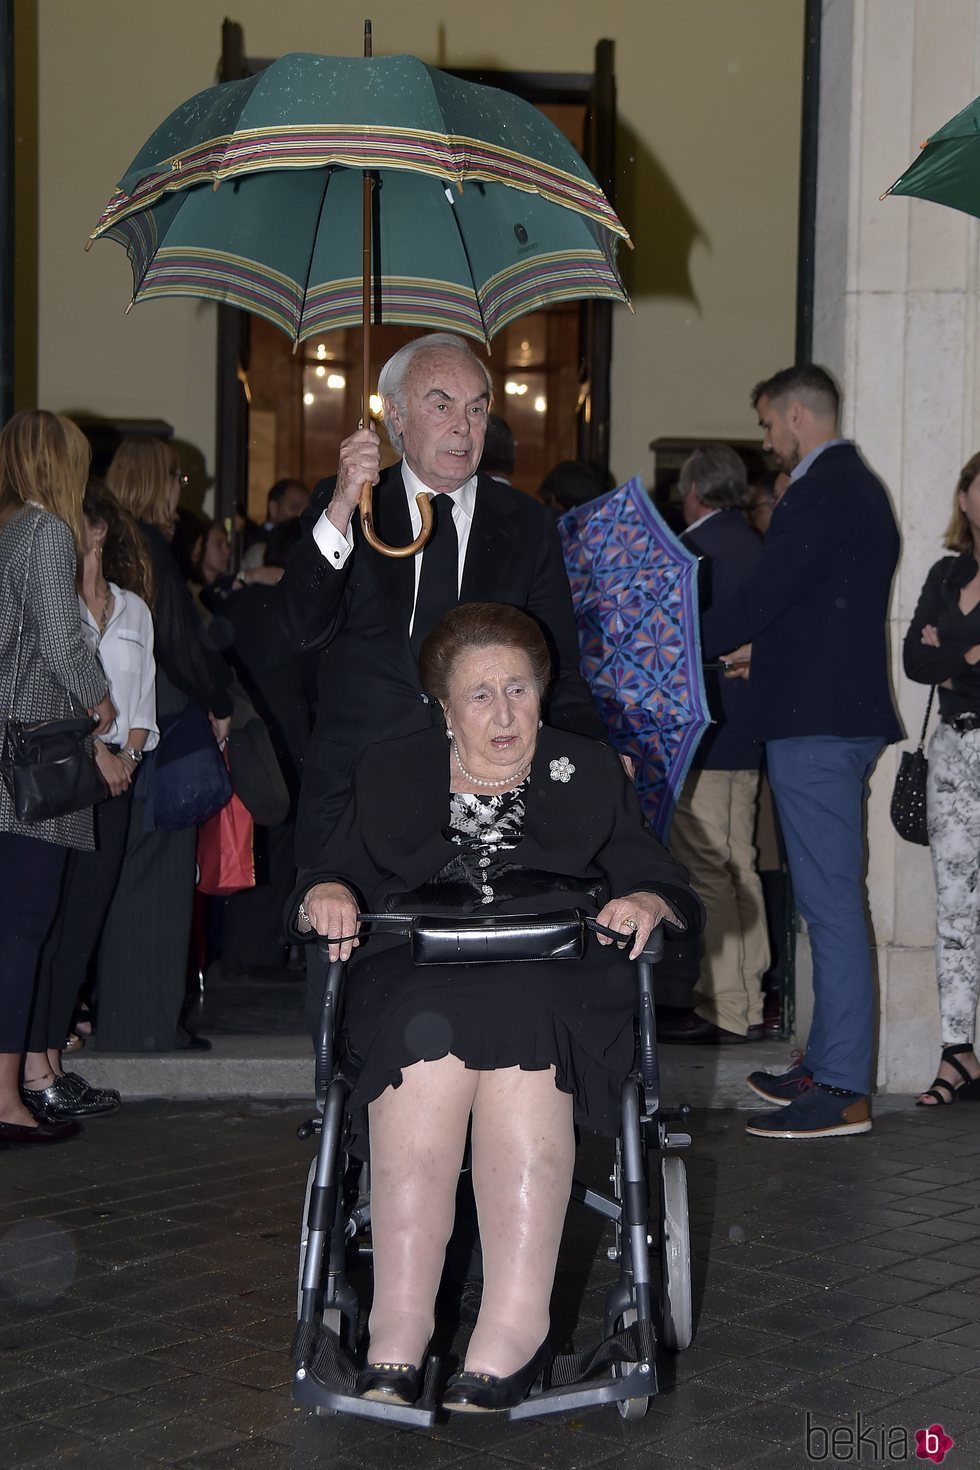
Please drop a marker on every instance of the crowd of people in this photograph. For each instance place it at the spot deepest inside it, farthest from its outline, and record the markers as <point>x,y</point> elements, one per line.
<point>118,602</point>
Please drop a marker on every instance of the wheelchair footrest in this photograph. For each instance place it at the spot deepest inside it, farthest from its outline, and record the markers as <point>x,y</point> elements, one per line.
<point>639,1382</point>
<point>329,1386</point>
<point>304,1341</point>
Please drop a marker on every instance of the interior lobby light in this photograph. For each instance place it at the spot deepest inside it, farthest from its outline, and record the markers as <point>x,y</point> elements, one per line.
<point>321,350</point>
<point>513,387</point>
<point>376,405</point>
<point>321,372</point>
<point>336,381</point>
<point>309,398</point>
<point>540,404</point>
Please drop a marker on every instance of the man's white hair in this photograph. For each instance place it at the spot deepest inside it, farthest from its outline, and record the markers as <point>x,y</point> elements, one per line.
<point>394,374</point>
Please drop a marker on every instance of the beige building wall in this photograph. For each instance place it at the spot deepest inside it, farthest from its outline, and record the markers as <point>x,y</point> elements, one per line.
<point>709,106</point>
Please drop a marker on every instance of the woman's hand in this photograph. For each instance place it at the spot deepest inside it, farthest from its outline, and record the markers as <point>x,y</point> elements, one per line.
<point>116,772</point>
<point>333,913</point>
<point>104,712</point>
<point>930,636</point>
<point>639,911</point>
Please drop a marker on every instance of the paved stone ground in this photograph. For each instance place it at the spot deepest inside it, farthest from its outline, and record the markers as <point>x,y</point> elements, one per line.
<point>147,1287</point>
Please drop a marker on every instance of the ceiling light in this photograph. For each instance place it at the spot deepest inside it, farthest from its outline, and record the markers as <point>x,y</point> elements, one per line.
<point>540,404</point>
<point>336,381</point>
<point>376,405</point>
<point>309,398</point>
<point>321,372</point>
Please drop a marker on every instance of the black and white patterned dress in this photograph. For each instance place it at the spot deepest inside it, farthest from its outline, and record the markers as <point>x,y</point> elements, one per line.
<point>574,1015</point>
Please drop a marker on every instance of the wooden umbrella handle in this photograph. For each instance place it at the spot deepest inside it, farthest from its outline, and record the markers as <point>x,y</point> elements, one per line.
<point>367,525</point>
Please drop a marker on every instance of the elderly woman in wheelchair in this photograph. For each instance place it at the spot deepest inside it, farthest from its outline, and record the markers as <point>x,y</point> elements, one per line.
<point>506,816</point>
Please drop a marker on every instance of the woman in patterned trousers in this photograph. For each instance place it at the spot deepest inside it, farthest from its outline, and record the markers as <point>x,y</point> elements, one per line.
<point>942,647</point>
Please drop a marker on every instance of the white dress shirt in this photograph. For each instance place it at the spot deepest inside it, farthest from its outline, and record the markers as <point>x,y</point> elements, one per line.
<point>336,548</point>
<point>126,653</point>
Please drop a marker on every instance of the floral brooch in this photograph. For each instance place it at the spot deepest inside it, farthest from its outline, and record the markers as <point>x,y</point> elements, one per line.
<point>562,769</point>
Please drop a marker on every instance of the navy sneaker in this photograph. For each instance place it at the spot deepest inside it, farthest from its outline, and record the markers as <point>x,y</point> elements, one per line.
<point>782,1088</point>
<point>818,1112</point>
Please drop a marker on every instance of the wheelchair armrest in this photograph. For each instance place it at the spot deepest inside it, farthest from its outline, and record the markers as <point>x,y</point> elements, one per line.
<point>649,1066</point>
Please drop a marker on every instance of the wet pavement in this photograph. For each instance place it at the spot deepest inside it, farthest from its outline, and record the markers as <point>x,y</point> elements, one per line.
<point>147,1290</point>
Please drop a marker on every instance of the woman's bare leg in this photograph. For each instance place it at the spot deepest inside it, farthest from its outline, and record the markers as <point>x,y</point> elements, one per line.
<point>418,1133</point>
<point>523,1155</point>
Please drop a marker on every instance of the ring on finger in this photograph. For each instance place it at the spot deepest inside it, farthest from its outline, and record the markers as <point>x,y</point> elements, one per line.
<point>630,924</point>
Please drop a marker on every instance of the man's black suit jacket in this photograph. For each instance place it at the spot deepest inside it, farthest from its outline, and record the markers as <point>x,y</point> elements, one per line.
<point>816,609</point>
<point>368,687</point>
<point>731,552</point>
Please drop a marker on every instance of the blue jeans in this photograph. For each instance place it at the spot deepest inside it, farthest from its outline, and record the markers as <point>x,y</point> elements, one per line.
<point>820,785</point>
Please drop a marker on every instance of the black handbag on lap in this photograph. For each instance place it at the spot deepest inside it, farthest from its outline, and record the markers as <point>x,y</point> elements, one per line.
<point>908,805</point>
<point>47,765</point>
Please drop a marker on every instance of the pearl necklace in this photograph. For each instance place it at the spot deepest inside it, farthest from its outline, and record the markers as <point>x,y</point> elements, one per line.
<point>479,781</point>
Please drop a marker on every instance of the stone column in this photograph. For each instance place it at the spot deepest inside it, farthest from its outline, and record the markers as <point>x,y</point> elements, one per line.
<point>895,318</point>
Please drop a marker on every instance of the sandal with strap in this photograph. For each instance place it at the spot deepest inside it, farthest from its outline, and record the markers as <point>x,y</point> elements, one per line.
<point>968,1089</point>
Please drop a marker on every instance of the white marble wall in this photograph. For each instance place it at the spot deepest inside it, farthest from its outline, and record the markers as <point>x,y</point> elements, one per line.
<point>895,318</point>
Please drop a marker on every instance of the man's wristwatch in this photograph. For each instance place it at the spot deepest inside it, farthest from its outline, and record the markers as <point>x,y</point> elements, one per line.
<point>132,754</point>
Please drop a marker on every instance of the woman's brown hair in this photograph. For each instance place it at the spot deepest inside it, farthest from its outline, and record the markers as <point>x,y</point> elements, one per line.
<point>44,458</point>
<point>480,625</point>
<point>139,477</point>
<point>958,535</point>
<point>125,559</point>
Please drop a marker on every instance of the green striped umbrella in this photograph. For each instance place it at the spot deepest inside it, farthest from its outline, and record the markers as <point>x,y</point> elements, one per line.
<point>484,212</point>
<point>287,246</point>
<point>947,170</point>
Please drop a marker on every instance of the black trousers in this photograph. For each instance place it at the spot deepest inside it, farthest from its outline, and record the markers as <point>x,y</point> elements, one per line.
<point>90,881</point>
<point>142,965</point>
<point>30,881</point>
<point>252,930</point>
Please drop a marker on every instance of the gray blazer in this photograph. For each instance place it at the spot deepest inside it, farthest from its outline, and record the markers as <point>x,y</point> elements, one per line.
<point>58,672</point>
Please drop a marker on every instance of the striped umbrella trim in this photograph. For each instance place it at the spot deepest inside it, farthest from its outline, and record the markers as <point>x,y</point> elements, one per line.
<point>406,301</point>
<point>453,158</point>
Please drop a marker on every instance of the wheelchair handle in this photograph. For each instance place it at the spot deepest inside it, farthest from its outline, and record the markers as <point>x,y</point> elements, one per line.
<point>652,952</point>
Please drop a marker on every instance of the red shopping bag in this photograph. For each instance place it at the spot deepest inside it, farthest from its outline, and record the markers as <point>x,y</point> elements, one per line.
<point>225,851</point>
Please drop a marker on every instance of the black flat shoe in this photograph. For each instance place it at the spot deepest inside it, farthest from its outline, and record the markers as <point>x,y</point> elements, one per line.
<point>47,1130</point>
<point>391,1382</point>
<point>484,1392</point>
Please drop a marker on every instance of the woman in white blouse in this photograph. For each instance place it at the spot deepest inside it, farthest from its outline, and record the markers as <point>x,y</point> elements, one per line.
<point>115,583</point>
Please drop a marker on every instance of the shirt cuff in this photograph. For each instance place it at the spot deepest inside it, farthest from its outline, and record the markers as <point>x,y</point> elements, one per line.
<point>333,547</point>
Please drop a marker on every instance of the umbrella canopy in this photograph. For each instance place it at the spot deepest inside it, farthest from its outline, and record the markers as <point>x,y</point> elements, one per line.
<point>287,245</point>
<point>947,170</point>
<point>305,111</point>
<point>634,589</point>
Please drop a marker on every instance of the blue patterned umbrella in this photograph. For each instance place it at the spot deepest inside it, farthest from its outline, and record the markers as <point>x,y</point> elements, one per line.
<point>634,587</point>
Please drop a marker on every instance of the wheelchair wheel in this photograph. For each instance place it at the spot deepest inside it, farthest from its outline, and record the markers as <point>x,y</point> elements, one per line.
<point>629,1409</point>
<point>675,1256</point>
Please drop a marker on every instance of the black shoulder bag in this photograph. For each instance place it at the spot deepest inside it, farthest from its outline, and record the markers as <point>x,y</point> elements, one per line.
<point>908,807</point>
<point>47,766</point>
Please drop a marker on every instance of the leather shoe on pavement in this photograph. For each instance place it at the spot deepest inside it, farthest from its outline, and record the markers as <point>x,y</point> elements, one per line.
<point>819,1112</point>
<point>47,1130</point>
<point>690,1029</point>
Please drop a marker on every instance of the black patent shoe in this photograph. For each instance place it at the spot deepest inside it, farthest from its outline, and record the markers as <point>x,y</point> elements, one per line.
<point>483,1392</point>
<point>69,1097</point>
<point>389,1382</point>
<point>47,1130</point>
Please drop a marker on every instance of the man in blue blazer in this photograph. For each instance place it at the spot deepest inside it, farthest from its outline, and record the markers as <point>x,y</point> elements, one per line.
<point>810,630</point>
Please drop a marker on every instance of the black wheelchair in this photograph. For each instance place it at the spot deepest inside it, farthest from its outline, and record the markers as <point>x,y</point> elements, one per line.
<point>337,1215</point>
